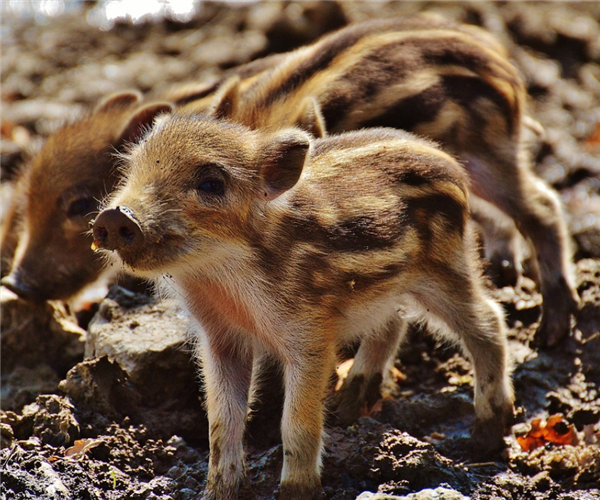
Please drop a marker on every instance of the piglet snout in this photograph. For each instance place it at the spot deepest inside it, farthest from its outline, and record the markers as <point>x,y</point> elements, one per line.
<point>17,283</point>
<point>116,229</point>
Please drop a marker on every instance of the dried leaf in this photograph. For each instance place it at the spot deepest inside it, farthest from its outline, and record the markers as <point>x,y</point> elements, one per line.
<point>80,447</point>
<point>342,371</point>
<point>593,141</point>
<point>397,375</point>
<point>558,431</point>
<point>555,430</point>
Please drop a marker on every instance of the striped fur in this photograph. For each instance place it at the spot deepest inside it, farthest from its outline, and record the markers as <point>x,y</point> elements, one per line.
<point>450,83</point>
<point>310,244</point>
<point>421,73</point>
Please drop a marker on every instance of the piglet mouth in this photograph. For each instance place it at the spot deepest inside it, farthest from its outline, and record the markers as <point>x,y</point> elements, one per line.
<point>117,229</point>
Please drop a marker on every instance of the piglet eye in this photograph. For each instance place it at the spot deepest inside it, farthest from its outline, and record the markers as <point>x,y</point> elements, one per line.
<point>212,186</point>
<point>81,207</point>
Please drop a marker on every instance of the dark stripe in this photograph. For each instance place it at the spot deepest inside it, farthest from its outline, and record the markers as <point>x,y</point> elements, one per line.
<point>467,90</point>
<point>362,282</point>
<point>425,169</point>
<point>198,95</point>
<point>412,111</point>
<point>372,73</point>
<point>357,234</point>
<point>421,210</point>
<point>298,274</point>
<point>335,110</point>
<point>467,53</point>
<point>245,71</point>
<point>328,49</point>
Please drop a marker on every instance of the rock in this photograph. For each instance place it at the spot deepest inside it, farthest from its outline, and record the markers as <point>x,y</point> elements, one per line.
<point>101,386</point>
<point>27,472</point>
<point>22,385</point>
<point>417,414</point>
<point>55,66</point>
<point>405,460</point>
<point>35,334</point>
<point>7,435</point>
<point>138,365</point>
<point>148,340</point>
<point>426,494</point>
<point>583,205</point>
<point>374,455</point>
<point>52,420</point>
<point>588,318</point>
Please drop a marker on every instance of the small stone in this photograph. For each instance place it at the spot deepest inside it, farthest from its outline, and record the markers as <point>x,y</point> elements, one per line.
<point>6,434</point>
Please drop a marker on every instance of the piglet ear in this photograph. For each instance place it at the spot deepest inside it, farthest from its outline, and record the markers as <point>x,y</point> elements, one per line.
<point>121,100</point>
<point>311,118</point>
<point>282,162</point>
<point>142,120</point>
<point>227,99</point>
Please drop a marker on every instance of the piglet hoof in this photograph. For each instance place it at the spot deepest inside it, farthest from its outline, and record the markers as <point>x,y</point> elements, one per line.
<point>346,409</point>
<point>355,398</point>
<point>503,271</point>
<point>294,491</point>
<point>217,490</point>
<point>487,439</point>
<point>558,308</point>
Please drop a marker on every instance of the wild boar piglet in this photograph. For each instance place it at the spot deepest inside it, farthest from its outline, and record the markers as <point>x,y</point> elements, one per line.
<point>44,238</point>
<point>283,244</point>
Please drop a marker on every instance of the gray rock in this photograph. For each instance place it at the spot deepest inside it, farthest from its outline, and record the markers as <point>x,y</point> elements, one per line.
<point>139,365</point>
<point>22,385</point>
<point>35,334</point>
<point>426,494</point>
<point>52,420</point>
<point>148,339</point>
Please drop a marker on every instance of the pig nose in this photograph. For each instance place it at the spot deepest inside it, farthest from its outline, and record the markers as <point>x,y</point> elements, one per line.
<point>20,287</point>
<point>116,229</point>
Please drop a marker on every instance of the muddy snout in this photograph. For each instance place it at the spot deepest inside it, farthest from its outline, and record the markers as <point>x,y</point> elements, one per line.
<point>117,229</point>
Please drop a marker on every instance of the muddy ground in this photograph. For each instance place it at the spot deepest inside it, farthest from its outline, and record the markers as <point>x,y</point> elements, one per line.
<point>127,423</point>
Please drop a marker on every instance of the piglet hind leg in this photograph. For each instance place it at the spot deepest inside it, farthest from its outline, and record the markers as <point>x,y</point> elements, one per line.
<point>362,388</point>
<point>459,308</point>
<point>227,372</point>
<point>502,243</point>
<point>307,376</point>
<point>539,215</point>
<point>535,207</point>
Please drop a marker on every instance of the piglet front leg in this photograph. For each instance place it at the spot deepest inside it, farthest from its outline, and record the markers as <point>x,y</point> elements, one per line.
<point>227,371</point>
<point>306,380</point>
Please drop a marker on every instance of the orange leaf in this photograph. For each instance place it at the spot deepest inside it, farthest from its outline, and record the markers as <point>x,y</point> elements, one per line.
<point>80,447</point>
<point>555,430</point>
<point>593,141</point>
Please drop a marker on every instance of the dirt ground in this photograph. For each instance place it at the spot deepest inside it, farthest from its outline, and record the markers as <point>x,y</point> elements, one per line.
<point>99,429</point>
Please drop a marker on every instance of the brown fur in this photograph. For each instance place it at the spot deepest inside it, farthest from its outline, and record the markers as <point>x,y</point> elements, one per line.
<point>443,80</point>
<point>280,244</point>
<point>450,83</point>
<point>62,188</point>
